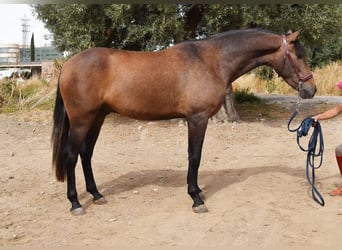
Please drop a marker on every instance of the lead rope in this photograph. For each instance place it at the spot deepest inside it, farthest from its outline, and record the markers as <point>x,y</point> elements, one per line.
<point>312,150</point>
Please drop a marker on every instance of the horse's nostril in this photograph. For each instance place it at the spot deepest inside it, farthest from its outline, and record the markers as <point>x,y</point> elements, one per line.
<point>305,94</point>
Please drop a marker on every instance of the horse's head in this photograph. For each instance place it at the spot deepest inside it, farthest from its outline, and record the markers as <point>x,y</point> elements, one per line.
<point>292,67</point>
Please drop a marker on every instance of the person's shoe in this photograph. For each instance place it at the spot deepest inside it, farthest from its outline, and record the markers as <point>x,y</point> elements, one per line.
<point>336,192</point>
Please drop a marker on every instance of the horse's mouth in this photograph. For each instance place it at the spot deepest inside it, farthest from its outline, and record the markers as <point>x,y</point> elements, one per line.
<point>307,93</point>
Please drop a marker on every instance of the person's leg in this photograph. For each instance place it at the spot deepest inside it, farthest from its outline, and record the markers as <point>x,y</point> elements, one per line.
<point>338,153</point>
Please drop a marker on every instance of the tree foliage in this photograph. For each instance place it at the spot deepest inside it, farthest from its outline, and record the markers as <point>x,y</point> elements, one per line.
<point>125,26</point>
<point>32,49</point>
<point>320,25</point>
<point>156,26</point>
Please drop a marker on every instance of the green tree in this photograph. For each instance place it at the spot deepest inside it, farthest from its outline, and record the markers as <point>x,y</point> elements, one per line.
<point>33,55</point>
<point>320,24</point>
<point>125,26</point>
<point>76,26</point>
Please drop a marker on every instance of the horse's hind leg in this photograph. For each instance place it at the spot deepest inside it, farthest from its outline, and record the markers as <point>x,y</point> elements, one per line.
<point>86,154</point>
<point>71,152</point>
<point>77,135</point>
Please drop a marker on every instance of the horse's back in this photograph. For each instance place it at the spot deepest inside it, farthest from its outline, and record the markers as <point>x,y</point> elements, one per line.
<point>142,85</point>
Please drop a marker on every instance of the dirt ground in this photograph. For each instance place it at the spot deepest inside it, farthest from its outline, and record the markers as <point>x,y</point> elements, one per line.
<point>252,175</point>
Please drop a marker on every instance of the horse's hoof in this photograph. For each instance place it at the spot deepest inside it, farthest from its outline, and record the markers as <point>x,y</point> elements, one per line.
<point>100,201</point>
<point>200,209</point>
<point>77,211</point>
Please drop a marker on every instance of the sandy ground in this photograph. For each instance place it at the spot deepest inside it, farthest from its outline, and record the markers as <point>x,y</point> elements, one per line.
<point>252,175</point>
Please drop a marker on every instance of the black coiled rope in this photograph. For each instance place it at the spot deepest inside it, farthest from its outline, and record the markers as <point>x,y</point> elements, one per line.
<point>315,149</point>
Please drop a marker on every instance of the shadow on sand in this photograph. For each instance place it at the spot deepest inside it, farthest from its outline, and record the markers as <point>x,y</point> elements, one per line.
<point>213,181</point>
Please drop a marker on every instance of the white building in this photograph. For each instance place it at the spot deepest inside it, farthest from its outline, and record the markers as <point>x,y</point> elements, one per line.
<point>9,54</point>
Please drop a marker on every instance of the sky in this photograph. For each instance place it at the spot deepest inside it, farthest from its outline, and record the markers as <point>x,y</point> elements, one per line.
<point>11,25</point>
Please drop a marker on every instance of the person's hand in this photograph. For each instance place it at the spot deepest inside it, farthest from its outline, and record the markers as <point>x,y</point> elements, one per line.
<point>315,118</point>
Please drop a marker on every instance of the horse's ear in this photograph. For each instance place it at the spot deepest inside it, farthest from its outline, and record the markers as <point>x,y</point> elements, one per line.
<point>293,36</point>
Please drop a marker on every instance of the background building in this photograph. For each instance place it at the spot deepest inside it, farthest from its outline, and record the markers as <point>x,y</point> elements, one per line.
<point>13,59</point>
<point>41,54</point>
<point>9,54</point>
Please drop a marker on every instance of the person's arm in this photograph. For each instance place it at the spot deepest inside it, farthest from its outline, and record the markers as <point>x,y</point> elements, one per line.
<point>330,113</point>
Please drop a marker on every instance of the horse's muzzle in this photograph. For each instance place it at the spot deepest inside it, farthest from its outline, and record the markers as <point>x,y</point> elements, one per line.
<point>307,90</point>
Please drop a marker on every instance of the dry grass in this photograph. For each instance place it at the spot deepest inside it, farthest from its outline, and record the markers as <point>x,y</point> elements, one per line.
<point>27,95</point>
<point>38,93</point>
<point>326,79</point>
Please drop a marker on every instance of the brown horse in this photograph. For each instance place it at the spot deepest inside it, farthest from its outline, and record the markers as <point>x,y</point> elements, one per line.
<point>188,80</point>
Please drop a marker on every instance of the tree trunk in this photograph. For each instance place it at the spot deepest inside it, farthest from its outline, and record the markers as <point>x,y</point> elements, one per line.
<point>228,111</point>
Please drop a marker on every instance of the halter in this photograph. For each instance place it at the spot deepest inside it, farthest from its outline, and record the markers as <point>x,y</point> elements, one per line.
<point>294,66</point>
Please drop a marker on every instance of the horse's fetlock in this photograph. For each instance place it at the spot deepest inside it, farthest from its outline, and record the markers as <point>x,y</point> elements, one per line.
<point>192,190</point>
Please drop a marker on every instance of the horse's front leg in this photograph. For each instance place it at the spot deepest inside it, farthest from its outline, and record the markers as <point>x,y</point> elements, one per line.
<point>197,126</point>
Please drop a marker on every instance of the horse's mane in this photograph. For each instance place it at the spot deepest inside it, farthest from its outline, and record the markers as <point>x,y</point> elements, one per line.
<point>239,34</point>
<point>236,36</point>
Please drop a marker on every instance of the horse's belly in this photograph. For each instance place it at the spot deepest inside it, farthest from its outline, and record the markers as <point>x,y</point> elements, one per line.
<point>147,114</point>
<point>146,105</point>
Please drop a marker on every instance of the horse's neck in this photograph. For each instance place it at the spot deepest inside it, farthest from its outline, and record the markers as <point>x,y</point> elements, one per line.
<point>234,61</point>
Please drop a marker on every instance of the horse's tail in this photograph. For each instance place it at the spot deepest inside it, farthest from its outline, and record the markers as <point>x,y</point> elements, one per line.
<point>59,137</point>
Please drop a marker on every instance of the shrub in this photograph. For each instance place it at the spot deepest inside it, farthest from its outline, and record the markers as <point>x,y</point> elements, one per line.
<point>244,95</point>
